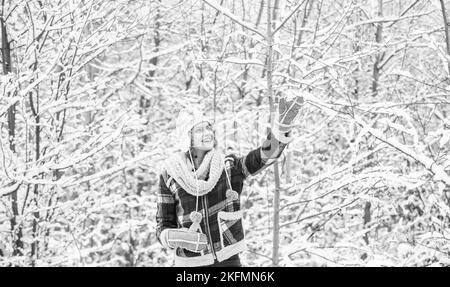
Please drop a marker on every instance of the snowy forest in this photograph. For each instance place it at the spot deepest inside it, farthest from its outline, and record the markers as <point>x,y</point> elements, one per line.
<point>90,90</point>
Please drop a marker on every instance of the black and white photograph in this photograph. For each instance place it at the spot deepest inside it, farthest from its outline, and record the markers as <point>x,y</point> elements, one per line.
<point>224,133</point>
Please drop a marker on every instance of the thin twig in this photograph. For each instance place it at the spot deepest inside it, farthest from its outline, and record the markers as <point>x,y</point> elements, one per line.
<point>233,17</point>
<point>287,18</point>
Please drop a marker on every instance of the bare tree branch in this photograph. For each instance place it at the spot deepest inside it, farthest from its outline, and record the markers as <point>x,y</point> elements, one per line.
<point>233,17</point>
<point>288,17</point>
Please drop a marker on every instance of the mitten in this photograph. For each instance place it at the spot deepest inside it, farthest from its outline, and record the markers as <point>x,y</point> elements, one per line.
<point>287,113</point>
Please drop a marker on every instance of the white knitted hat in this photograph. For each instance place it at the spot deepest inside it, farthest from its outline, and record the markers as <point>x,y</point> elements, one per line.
<point>187,119</point>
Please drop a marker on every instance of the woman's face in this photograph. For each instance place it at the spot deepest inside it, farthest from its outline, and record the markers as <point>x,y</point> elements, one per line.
<point>203,136</point>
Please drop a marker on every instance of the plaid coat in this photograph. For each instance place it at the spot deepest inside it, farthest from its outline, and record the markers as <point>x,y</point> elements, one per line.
<point>222,218</point>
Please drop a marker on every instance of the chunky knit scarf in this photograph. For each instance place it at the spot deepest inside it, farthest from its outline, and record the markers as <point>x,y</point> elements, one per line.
<point>180,168</point>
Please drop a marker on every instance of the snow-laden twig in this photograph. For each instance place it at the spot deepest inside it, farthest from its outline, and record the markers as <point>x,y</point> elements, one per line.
<point>130,164</point>
<point>288,17</point>
<point>428,163</point>
<point>233,17</point>
<point>388,19</point>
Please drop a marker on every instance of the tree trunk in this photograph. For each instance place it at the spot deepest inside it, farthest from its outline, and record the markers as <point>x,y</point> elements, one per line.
<point>35,111</point>
<point>375,82</point>
<point>276,197</point>
<point>144,102</point>
<point>16,228</point>
<point>288,167</point>
<point>367,218</point>
<point>447,33</point>
<point>306,14</point>
<point>379,56</point>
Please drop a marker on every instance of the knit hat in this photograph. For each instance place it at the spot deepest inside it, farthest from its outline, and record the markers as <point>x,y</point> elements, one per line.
<point>187,119</point>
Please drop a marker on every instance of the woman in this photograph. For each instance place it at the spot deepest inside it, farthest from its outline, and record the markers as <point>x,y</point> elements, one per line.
<point>199,212</point>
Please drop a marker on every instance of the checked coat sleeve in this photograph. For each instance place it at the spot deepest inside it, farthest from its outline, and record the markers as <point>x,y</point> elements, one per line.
<point>263,156</point>
<point>166,210</point>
